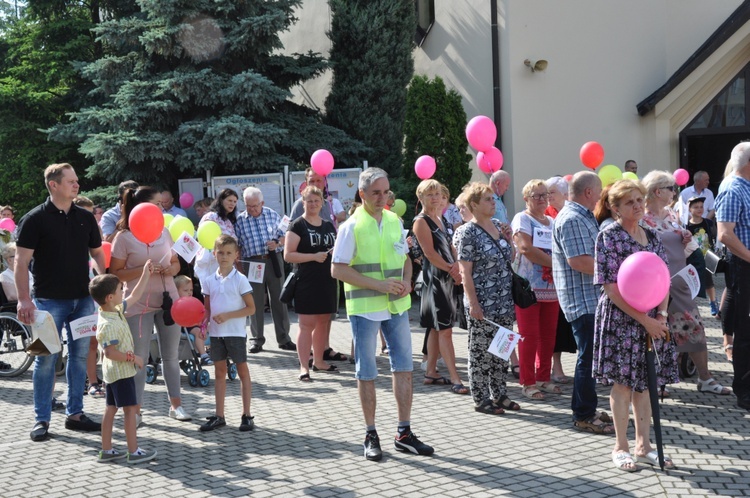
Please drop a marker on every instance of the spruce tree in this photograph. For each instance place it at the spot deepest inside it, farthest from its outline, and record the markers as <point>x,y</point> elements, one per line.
<point>434,125</point>
<point>191,85</point>
<point>371,55</point>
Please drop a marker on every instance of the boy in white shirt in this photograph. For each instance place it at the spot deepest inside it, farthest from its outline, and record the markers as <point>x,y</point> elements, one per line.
<point>228,300</point>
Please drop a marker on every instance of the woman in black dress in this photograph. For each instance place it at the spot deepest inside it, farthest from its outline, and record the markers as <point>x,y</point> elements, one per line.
<point>440,273</point>
<point>308,246</point>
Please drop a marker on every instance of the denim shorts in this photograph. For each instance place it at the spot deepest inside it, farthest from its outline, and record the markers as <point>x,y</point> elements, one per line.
<point>121,393</point>
<point>229,347</point>
<point>397,337</point>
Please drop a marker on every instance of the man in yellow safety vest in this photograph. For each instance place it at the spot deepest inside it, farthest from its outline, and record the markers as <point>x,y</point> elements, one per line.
<point>370,258</point>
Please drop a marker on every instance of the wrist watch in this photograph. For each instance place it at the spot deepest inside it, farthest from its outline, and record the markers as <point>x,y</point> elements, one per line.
<point>663,313</point>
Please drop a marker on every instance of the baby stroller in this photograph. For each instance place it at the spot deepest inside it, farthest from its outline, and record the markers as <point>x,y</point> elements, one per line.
<point>190,361</point>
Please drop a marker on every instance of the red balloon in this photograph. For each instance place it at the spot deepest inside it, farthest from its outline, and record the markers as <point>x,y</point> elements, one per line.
<point>568,178</point>
<point>146,222</point>
<point>107,248</point>
<point>592,154</point>
<point>188,311</point>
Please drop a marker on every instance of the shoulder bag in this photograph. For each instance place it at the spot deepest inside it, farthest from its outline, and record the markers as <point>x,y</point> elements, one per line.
<point>287,290</point>
<point>715,262</point>
<point>520,287</point>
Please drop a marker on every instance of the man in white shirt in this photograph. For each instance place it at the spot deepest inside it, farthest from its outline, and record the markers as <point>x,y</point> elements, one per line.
<point>698,189</point>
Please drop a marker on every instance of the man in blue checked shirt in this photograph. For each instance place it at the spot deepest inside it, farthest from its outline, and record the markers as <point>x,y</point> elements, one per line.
<point>260,240</point>
<point>573,243</point>
<point>733,222</point>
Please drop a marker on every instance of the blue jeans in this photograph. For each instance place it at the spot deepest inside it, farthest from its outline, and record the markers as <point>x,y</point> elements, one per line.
<point>397,337</point>
<point>63,311</point>
<point>584,401</point>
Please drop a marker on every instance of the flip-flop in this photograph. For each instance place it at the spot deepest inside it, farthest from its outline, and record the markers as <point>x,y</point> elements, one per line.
<point>436,381</point>
<point>652,458</point>
<point>331,368</point>
<point>561,379</point>
<point>459,389</point>
<point>305,377</point>
<point>622,459</point>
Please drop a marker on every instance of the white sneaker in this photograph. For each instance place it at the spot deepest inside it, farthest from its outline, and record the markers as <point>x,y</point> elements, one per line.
<point>179,414</point>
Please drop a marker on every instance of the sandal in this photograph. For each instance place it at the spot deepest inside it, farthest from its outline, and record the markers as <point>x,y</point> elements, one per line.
<point>624,461</point>
<point>711,386</point>
<point>652,458</point>
<point>507,403</point>
<point>459,389</point>
<point>532,393</point>
<point>489,408</point>
<point>516,371</point>
<point>331,368</point>
<point>305,377</point>
<point>590,425</point>
<point>561,379</point>
<point>547,387</point>
<point>436,381</point>
<point>729,351</point>
<point>330,355</point>
<point>604,417</point>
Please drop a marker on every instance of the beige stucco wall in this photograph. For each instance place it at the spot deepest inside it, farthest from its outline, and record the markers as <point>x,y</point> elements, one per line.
<point>604,57</point>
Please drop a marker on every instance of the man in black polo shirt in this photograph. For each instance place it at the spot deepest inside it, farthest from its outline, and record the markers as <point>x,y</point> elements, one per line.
<point>56,238</point>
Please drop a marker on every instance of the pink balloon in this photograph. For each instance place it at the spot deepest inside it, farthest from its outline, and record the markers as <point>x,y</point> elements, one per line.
<point>481,133</point>
<point>681,176</point>
<point>643,280</point>
<point>186,200</point>
<point>322,162</point>
<point>7,224</point>
<point>483,163</point>
<point>495,157</point>
<point>425,167</point>
<point>592,154</point>
<point>568,178</point>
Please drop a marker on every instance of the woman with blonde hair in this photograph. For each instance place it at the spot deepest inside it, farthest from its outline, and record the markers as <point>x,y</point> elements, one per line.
<point>485,251</point>
<point>684,318</point>
<point>532,235</point>
<point>620,331</point>
<point>440,273</point>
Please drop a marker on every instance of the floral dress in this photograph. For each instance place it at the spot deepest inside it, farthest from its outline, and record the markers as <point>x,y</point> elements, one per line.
<point>684,319</point>
<point>619,340</point>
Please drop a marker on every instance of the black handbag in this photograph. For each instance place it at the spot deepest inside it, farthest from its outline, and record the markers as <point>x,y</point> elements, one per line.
<point>520,288</point>
<point>523,294</point>
<point>166,305</point>
<point>715,262</point>
<point>287,290</point>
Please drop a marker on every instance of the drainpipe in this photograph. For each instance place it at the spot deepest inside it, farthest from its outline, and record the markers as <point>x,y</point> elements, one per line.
<point>495,72</point>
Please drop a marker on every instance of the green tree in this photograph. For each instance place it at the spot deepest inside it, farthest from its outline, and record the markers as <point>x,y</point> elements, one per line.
<point>37,85</point>
<point>434,125</point>
<point>193,85</point>
<point>371,55</point>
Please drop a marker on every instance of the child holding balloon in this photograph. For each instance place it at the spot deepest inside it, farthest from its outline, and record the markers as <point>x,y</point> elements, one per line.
<point>228,300</point>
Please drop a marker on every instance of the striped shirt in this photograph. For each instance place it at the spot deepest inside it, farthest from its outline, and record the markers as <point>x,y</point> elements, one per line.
<point>574,235</point>
<point>113,330</point>
<point>733,206</point>
<point>253,233</point>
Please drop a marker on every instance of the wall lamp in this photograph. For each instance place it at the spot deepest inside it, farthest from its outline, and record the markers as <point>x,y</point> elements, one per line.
<point>539,65</point>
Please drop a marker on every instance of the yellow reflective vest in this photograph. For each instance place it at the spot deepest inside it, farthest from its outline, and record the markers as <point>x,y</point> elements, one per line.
<point>377,256</point>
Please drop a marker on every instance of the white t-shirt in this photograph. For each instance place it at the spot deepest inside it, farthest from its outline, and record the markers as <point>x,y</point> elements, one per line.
<point>226,295</point>
<point>344,251</point>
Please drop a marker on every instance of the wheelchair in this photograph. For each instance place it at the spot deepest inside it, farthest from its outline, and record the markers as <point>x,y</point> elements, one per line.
<point>15,338</point>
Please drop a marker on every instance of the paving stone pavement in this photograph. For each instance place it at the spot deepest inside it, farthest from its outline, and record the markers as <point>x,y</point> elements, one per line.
<point>308,440</point>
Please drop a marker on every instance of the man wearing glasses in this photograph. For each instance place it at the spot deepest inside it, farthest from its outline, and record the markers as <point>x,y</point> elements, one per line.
<point>370,258</point>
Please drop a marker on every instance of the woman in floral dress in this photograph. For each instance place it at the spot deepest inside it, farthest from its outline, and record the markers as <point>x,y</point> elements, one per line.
<point>620,331</point>
<point>684,319</point>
